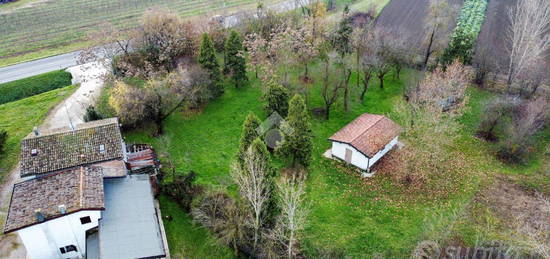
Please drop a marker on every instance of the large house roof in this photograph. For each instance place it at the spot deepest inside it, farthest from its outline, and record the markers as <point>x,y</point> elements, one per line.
<point>368,133</point>
<point>77,189</point>
<point>129,227</point>
<point>65,148</point>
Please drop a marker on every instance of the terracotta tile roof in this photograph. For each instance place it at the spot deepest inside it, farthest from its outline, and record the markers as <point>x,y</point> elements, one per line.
<point>65,148</point>
<point>78,189</point>
<point>368,133</point>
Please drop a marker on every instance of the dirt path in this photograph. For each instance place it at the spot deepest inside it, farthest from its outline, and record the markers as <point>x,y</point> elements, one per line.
<point>70,111</point>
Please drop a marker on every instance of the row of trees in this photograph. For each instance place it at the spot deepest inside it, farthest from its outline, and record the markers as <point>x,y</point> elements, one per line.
<point>267,218</point>
<point>161,66</point>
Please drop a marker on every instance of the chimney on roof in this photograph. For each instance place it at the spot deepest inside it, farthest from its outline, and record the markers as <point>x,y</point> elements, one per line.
<point>36,131</point>
<point>39,215</point>
<point>62,209</point>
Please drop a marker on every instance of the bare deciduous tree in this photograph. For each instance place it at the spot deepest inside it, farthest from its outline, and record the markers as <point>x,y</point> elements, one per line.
<point>159,97</point>
<point>293,215</point>
<point>333,84</point>
<point>443,90</point>
<point>254,181</point>
<point>107,43</point>
<point>528,38</point>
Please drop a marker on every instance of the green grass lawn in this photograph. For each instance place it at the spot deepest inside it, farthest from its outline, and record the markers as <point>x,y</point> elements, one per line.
<point>19,117</point>
<point>26,87</point>
<point>360,217</point>
<point>187,239</point>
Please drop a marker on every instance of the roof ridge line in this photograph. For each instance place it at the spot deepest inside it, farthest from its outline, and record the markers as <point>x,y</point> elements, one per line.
<point>379,119</point>
<point>81,193</point>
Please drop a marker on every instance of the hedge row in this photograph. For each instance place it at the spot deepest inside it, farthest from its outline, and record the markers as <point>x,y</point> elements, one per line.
<point>26,87</point>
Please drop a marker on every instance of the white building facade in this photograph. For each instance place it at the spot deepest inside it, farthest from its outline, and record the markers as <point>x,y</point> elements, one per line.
<point>62,237</point>
<point>365,140</point>
<point>351,155</point>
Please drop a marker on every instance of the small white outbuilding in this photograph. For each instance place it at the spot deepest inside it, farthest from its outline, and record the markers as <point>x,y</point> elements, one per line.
<point>365,140</point>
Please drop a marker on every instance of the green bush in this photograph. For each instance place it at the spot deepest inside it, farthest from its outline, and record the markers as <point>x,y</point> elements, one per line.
<point>26,87</point>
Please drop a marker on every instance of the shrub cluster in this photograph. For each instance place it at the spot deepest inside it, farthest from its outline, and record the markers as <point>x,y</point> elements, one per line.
<point>513,124</point>
<point>23,88</point>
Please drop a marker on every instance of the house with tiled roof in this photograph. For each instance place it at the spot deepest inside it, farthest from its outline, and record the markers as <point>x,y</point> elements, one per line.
<point>78,198</point>
<point>88,143</point>
<point>365,140</point>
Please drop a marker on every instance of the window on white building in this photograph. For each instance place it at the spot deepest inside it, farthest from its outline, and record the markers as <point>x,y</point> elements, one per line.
<point>69,248</point>
<point>85,220</point>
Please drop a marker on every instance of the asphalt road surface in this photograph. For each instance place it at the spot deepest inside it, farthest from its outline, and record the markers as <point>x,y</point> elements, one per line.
<point>39,66</point>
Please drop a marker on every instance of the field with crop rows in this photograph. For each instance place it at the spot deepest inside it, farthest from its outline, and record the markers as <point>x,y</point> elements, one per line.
<point>59,22</point>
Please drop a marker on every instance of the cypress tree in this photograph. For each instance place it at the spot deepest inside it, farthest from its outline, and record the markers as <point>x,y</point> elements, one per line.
<point>277,98</point>
<point>207,59</point>
<point>342,37</point>
<point>297,142</point>
<point>248,135</point>
<point>235,64</point>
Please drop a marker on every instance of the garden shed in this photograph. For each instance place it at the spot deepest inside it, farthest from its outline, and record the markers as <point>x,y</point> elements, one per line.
<point>365,140</point>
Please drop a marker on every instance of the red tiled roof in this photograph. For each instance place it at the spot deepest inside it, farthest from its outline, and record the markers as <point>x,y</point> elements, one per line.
<point>77,189</point>
<point>368,133</point>
<point>64,148</point>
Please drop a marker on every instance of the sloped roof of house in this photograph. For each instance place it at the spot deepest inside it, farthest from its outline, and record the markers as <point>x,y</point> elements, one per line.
<point>77,189</point>
<point>65,148</point>
<point>368,133</point>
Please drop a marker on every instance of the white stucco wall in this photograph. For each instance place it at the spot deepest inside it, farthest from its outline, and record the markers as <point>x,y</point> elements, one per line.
<point>42,241</point>
<point>357,158</point>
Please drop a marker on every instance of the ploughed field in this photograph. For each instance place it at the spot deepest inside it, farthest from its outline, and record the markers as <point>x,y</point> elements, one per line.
<point>61,22</point>
<point>405,18</point>
<point>493,33</point>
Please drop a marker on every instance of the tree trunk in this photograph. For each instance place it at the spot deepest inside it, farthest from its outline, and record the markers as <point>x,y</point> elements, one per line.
<point>160,129</point>
<point>236,250</point>
<point>290,244</point>
<point>381,78</point>
<point>346,98</point>
<point>327,111</point>
<point>306,73</point>
<point>398,72</point>
<point>365,88</point>
<point>429,50</point>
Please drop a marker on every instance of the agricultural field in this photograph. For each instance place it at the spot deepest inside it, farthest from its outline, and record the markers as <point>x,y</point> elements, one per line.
<point>494,30</point>
<point>54,27</point>
<point>19,117</point>
<point>406,18</point>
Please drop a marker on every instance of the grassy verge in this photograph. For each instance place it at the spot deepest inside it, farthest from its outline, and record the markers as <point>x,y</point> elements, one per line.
<point>19,117</point>
<point>27,87</point>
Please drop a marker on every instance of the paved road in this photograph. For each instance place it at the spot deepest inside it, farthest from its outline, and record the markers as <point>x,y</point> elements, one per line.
<point>38,66</point>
